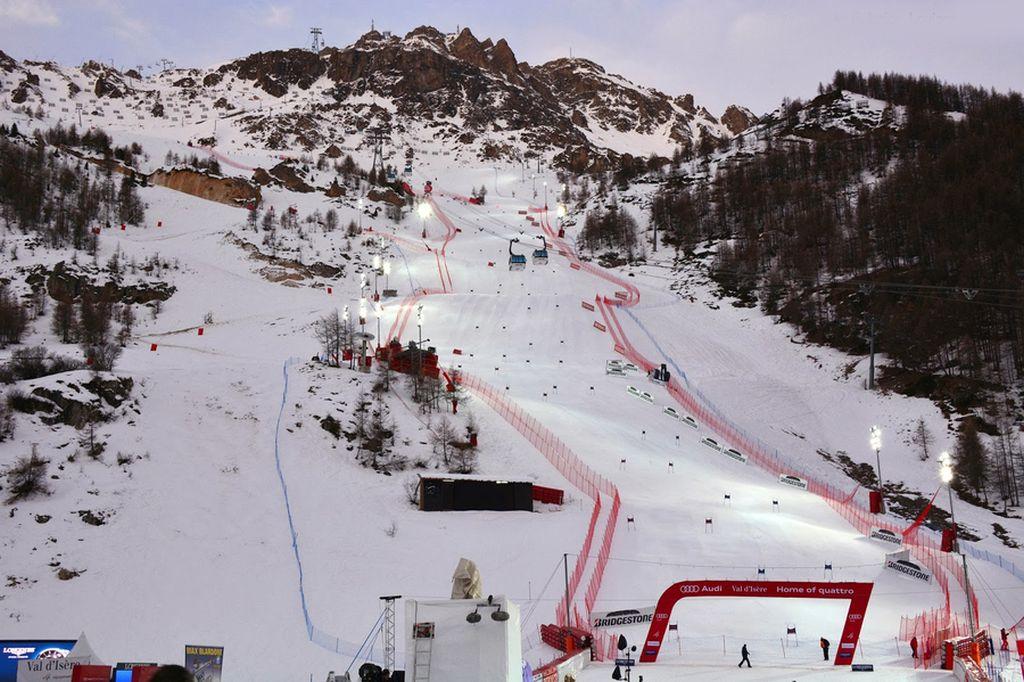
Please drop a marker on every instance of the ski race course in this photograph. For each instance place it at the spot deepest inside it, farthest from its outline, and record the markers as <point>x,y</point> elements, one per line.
<point>281,543</point>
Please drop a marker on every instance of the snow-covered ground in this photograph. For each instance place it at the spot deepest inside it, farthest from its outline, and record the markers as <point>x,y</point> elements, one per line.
<point>197,547</point>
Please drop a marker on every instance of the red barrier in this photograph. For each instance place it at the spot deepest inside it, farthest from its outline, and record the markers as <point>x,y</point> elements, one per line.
<point>456,351</point>
<point>152,347</point>
<point>548,495</point>
<point>200,331</point>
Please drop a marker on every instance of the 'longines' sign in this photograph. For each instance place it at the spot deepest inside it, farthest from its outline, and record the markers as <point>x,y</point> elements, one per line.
<point>614,619</point>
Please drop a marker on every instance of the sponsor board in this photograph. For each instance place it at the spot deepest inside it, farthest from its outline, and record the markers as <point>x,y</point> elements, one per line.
<point>599,327</point>
<point>795,481</point>
<point>735,454</point>
<point>886,535</point>
<point>588,306</point>
<point>13,651</point>
<point>204,662</point>
<point>900,562</point>
<point>614,619</point>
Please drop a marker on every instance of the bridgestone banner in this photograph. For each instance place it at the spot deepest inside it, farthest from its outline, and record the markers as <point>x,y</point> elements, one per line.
<point>900,562</point>
<point>794,481</point>
<point>614,619</point>
<point>886,535</point>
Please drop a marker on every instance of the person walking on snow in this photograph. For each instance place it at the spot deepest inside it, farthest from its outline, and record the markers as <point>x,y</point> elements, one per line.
<point>1005,637</point>
<point>746,657</point>
<point>913,647</point>
<point>824,647</point>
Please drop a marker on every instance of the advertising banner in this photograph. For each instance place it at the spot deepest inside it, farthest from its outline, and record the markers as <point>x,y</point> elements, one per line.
<point>12,651</point>
<point>204,662</point>
<point>886,535</point>
<point>901,563</point>
<point>614,619</point>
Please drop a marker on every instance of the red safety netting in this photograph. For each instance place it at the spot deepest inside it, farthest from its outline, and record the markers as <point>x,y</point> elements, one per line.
<point>576,471</point>
<point>922,547</point>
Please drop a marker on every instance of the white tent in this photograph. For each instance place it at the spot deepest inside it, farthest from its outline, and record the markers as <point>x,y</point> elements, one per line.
<point>452,649</point>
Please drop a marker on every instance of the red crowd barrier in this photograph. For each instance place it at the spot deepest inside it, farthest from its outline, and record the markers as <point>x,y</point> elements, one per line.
<point>576,471</point>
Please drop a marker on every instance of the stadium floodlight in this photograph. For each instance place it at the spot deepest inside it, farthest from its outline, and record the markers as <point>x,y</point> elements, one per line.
<point>423,210</point>
<point>876,438</point>
<point>945,468</point>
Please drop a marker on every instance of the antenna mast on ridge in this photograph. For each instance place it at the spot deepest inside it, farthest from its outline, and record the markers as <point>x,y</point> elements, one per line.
<point>318,41</point>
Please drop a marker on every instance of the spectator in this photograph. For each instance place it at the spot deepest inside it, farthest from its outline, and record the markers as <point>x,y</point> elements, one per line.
<point>172,673</point>
<point>913,647</point>
<point>825,644</point>
<point>746,657</point>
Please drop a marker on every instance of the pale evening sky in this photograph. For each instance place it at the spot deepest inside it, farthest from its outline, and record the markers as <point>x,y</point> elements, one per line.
<point>751,52</point>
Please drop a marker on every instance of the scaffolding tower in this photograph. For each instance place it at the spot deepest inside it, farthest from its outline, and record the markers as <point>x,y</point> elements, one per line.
<point>388,628</point>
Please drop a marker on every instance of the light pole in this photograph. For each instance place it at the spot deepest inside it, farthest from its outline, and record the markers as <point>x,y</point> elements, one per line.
<point>419,349</point>
<point>360,214</point>
<point>495,180</point>
<point>545,195</point>
<point>376,271</point>
<point>560,212</point>
<point>387,274</point>
<point>362,327</point>
<point>876,445</point>
<point>348,326</point>
<point>533,177</point>
<point>378,311</point>
<point>946,476</point>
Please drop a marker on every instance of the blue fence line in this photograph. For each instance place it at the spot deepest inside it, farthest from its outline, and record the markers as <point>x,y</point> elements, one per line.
<point>994,559</point>
<point>315,634</point>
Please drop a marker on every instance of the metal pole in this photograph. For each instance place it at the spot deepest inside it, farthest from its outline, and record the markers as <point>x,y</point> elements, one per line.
<point>878,469</point>
<point>956,547</point>
<point>565,560</point>
<point>871,367</point>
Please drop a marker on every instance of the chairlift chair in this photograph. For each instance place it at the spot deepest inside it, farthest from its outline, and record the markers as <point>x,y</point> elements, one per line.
<point>516,261</point>
<point>540,256</point>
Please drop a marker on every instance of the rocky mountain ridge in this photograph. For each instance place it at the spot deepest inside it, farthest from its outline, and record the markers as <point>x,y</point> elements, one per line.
<point>426,85</point>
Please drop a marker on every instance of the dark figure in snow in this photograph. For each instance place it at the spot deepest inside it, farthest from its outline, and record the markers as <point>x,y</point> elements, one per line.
<point>1006,639</point>
<point>746,657</point>
<point>913,647</point>
<point>172,673</point>
<point>825,644</point>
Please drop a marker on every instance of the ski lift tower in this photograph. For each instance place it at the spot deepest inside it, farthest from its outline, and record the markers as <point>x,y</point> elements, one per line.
<point>389,630</point>
<point>318,41</point>
<point>378,138</point>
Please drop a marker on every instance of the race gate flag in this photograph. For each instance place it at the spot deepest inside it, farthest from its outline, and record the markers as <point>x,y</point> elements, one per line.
<point>901,563</point>
<point>205,662</point>
<point>886,535</point>
<point>614,619</point>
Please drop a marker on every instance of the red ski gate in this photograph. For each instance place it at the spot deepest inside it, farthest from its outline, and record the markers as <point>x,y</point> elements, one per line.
<point>857,593</point>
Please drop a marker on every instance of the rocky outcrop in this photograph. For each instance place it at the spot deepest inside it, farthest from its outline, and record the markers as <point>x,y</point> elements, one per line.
<point>275,71</point>
<point>737,119</point>
<point>287,176</point>
<point>68,283</point>
<point>387,196</point>
<point>76,403</point>
<point>7,63</point>
<point>234,191</point>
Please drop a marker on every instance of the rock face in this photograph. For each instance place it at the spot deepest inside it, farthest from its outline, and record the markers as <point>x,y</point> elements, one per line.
<point>737,119</point>
<point>473,92</point>
<point>234,191</point>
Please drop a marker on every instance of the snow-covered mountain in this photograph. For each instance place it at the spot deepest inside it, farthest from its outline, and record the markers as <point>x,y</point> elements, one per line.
<point>229,470</point>
<point>427,85</point>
